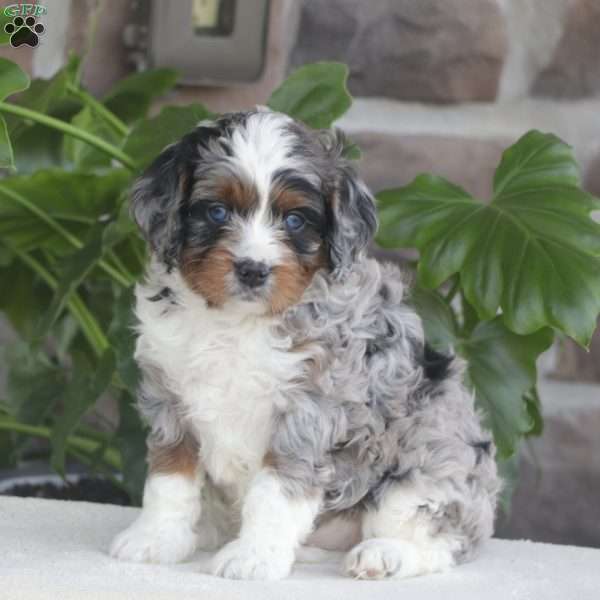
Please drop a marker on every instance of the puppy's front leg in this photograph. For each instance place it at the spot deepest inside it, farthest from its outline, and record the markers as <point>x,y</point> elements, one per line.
<point>165,530</point>
<point>273,525</point>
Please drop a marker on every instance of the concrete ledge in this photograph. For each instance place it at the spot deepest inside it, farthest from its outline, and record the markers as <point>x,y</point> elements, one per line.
<point>53,549</point>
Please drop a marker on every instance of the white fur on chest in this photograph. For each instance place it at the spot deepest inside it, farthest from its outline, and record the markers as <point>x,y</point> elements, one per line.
<point>227,367</point>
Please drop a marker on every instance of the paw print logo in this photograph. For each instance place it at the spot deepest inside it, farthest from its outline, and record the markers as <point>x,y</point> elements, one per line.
<point>24,31</point>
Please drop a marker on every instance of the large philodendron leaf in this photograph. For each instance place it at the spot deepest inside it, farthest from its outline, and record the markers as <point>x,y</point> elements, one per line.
<point>149,136</point>
<point>12,80</point>
<point>315,94</point>
<point>533,252</point>
<point>74,200</point>
<point>131,97</point>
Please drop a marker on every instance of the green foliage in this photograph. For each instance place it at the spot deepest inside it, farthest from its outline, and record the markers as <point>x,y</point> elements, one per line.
<point>524,265</point>
<point>532,251</point>
<point>518,268</point>
<point>148,137</point>
<point>315,94</point>
<point>12,79</point>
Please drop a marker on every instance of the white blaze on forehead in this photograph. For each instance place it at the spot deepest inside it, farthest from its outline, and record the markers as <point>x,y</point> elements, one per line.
<point>258,241</point>
<point>262,147</point>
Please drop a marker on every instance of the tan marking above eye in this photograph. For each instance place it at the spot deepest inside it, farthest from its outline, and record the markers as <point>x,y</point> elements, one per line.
<point>238,194</point>
<point>285,200</point>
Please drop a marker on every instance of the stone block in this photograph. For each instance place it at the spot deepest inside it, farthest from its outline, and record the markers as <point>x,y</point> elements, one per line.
<point>395,160</point>
<point>574,71</point>
<point>432,50</point>
<point>556,499</point>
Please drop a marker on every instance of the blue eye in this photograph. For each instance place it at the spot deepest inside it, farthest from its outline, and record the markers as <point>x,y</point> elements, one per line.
<point>294,222</point>
<point>219,214</point>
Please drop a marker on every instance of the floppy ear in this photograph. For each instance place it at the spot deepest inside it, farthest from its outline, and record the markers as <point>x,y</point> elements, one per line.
<point>353,217</point>
<point>159,196</point>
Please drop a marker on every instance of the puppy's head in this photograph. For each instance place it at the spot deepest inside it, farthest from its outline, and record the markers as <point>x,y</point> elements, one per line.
<point>251,206</point>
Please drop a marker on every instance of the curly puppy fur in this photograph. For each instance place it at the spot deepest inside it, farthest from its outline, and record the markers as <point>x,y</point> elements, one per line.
<point>299,395</point>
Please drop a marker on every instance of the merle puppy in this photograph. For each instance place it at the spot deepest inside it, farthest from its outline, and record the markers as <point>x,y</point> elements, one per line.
<point>289,389</point>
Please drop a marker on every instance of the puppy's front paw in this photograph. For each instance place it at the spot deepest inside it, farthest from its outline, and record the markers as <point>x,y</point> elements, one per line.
<point>374,559</point>
<point>242,559</point>
<point>168,541</point>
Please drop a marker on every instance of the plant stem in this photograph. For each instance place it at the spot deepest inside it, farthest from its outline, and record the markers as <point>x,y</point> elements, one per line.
<point>111,455</point>
<point>100,109</point>
<point>121,266</point>
<point>69,129</point>
<point>124,280</point>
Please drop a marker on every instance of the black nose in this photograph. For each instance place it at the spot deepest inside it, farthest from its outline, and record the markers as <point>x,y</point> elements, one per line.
<point>251,273</point>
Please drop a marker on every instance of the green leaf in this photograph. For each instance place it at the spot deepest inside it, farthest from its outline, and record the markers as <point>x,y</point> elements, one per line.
<point>533,252</point>
<point>34,384</point>
<point>148,137</point>
<point>122,338</point>
<point>7,451</point>
<point>37,146</point>
<point>47,95</point>
<point>502,370</point>
<point>315,94</point>
<point>7,158</point>
<point>81,154</point>
<point>76,267</point>
<point>75,200</point>
<point>24,299</point>
<point>131,98</point>
<point>438,319</point>
<point>534,410</point>
<point>131,441</point>
<point>81,394</point>
<point>12,79</point>
<point>501,367</point>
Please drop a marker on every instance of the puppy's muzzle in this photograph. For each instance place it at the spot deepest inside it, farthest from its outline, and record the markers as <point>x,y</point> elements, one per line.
<point>251,273</point>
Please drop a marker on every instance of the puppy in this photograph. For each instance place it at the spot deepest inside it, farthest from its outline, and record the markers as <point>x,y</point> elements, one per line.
<point>286,380</point>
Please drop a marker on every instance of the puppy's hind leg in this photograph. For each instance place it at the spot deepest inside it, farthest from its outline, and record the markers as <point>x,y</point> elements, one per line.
<point>165,531</point>
<point>405,535</point>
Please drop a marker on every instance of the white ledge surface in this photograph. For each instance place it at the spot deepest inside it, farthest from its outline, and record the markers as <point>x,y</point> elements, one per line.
<point>54,550</point>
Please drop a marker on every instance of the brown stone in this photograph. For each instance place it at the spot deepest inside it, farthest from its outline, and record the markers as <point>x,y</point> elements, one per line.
<point>556,499</point>
<point>431,50</point>
<point>574,71</point>
<point>576,364</point>
<point>395,160</point>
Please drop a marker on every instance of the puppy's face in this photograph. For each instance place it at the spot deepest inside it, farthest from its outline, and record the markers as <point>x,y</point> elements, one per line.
<point>250,207</point>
